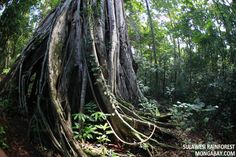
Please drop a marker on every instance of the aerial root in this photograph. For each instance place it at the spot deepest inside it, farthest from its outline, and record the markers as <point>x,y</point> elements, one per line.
<point>135,124</point>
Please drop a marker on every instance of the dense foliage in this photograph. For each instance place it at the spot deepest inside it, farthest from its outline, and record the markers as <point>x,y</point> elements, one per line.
<point>195,53</point>
<point>18,20</point>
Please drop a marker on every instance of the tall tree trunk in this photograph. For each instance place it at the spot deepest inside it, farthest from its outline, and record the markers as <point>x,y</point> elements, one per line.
<point>81,48</point>
<point>153,44</point>
<point>189,49</point>
<point>152,32</point>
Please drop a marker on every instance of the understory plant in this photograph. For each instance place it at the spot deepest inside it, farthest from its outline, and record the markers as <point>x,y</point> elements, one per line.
<point>3,144</point>
<point>91,126</point>
<point>4,103</point>
<point>150,106</point>
<point>192,116</point>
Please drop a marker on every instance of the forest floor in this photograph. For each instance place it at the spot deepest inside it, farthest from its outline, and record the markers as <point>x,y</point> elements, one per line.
<point>16,137</point>
<point>19,145</point>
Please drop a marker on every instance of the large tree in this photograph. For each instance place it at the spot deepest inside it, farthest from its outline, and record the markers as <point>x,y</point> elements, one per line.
<point>80,52</point>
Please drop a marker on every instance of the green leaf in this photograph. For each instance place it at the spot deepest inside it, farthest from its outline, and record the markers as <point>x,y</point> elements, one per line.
<point>109,132</point>
<point>80,117</point>
<point>206,120</point>
<point>103,127</point>
<point>98,116</point>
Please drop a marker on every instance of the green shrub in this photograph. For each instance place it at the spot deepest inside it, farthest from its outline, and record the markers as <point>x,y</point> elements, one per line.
<point>3,137</point>
<point>6,71</point>
<point>4,103</point>
<point>225,126</point>
<point>93,127</point>
<point>192,117</point>
<point>150,106</point>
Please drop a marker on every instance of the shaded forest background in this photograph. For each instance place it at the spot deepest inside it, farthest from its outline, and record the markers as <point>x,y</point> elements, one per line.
<point>185,53</point>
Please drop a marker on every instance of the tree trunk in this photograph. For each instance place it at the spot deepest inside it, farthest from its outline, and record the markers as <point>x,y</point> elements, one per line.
<point>156,82</point>
<point>81,48</point>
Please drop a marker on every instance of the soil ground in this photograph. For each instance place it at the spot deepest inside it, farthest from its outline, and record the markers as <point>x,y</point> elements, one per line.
<point>16,137</point>
<point>20,146</point>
